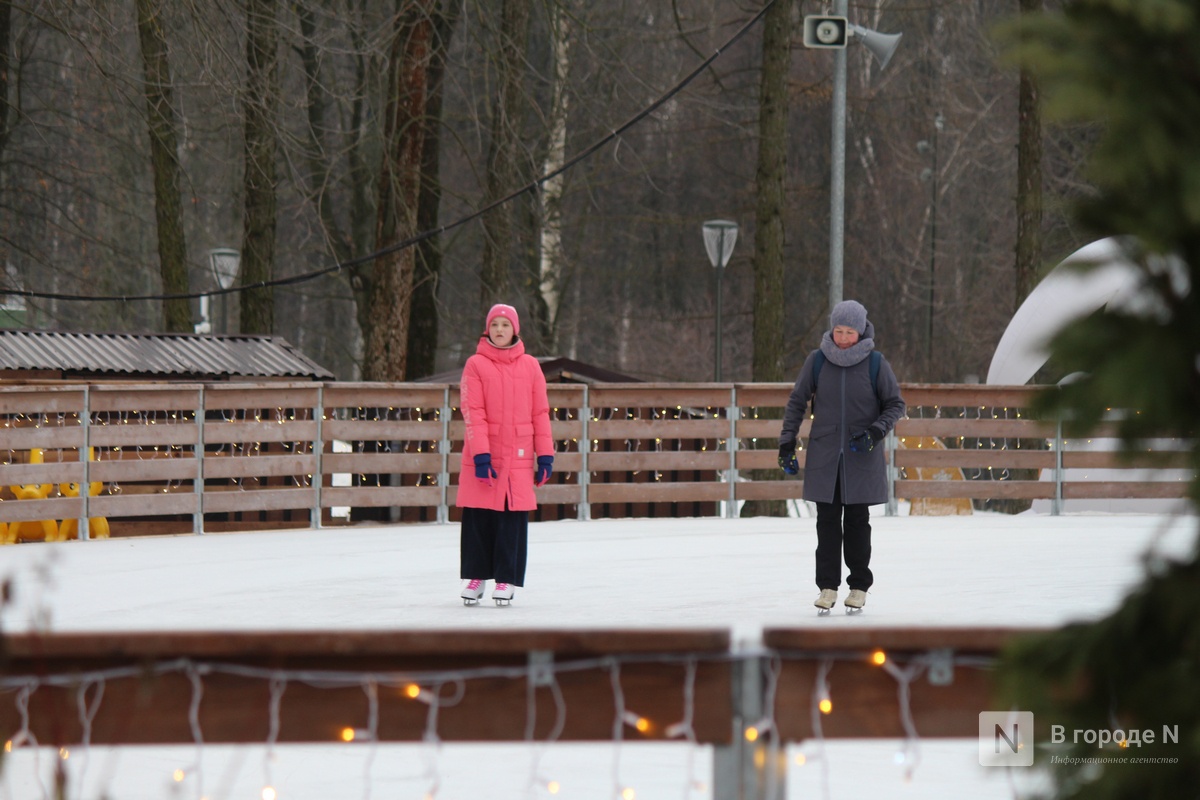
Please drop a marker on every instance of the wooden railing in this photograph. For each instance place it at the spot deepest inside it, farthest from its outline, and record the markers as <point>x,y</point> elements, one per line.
<point>623,686</point>
<point>172,457</point>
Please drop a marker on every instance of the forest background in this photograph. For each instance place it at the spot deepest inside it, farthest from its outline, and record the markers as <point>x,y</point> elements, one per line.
<point>138,135</point>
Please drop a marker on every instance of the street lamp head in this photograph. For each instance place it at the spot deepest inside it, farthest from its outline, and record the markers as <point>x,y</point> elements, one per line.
<point>224,263</point>
<point>719,237</point>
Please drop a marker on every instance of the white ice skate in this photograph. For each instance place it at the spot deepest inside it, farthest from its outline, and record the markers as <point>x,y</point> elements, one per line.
<point>855,601</point>
<point>473,591</point>
<point>503,593</point>
<point>825,601</point>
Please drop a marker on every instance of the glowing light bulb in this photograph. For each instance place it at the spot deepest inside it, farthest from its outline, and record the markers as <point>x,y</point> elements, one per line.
<point>878,658</point>
<point>628,793</point>
<point>826,705</point>
<point>552,787</point>
<point>8,746</point>
<point>642,724</point>
<point>347,734</point>
<point>412,691</point>
<point>269,793</point>
<point>178,775</point>
<point>752,734</point>
<point>800,760</point>
<point>63,753</point>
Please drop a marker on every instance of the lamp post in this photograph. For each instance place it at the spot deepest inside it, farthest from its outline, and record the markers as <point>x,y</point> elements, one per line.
<point>931,174</point>
<point>834,32</point>
<point>224,263</point>
<point>719,237</point>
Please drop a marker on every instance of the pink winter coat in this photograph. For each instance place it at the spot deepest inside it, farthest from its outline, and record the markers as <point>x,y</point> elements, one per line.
<point>507,413</point>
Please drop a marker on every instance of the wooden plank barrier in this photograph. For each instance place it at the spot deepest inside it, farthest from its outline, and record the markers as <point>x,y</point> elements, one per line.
<point>313,686</point>
<point>171,458</point>
<point>485,684</point>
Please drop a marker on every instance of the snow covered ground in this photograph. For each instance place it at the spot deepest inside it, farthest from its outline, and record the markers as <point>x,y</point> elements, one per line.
<point>1027,570</point>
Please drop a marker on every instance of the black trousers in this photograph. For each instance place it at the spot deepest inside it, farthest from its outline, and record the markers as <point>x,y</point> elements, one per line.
<point>843,527</point>
<point>493,545</point>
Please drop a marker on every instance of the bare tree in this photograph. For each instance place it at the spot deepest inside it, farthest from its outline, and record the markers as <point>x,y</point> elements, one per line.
<point>259,108</point>
<point>769,296</point>
<point>553,255</point>
<point>1029,177</point>
<point>423,327</point>
<point>503,150</point>
<point>399,190</point>
<point>164,146</point>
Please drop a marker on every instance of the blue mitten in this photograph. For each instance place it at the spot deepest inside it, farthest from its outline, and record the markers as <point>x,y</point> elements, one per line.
<point>864,441</point>
<point>787,459</point>
<point>483,468</point>
<point>544,468</point>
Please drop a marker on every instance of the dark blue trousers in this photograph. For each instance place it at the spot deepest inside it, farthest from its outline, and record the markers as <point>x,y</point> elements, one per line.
<point>493,545</point>
<point>843,527</point>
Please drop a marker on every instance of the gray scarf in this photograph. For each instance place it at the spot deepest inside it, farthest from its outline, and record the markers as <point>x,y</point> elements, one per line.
<point>852,354</point>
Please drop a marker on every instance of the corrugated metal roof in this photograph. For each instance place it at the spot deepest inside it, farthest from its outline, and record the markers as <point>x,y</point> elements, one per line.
<point>184,355</point>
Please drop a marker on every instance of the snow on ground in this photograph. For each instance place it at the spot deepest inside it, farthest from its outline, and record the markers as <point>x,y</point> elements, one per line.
<point>745,574</point>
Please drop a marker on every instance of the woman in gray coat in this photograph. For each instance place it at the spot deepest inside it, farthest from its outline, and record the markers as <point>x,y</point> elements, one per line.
<point>855,402</point>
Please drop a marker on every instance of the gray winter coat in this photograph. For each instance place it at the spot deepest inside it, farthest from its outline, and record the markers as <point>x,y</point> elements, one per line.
<point>844,403</point>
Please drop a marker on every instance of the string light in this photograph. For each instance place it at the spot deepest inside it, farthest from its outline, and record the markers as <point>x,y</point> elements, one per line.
<point>430,688</point>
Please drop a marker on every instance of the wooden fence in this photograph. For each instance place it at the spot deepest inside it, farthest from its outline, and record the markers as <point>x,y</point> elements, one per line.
<point>71,691</point>
<point>196,457</point>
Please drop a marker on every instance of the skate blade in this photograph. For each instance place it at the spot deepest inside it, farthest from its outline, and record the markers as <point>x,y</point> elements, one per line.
<point>854,609</point>
<point>469,601</point>
<point>500,602</point>
<point>823,612</point>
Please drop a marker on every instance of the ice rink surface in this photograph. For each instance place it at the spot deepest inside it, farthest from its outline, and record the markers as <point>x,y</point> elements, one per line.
<point>745,574</point>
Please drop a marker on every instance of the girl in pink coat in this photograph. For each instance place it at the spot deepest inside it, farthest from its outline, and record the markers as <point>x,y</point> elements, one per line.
<point>507,449</point>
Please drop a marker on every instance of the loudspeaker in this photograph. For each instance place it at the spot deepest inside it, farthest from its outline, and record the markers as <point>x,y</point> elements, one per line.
<point>881,45</point>
<point>825,31</point>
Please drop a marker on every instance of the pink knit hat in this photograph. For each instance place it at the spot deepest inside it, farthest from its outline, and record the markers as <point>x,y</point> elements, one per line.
<point>508,312</point>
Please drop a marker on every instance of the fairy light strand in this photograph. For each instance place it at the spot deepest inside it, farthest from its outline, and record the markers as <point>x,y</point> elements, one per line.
<point>431,689</point>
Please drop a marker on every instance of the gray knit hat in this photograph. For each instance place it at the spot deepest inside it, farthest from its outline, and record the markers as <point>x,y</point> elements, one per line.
<point>851,314</point>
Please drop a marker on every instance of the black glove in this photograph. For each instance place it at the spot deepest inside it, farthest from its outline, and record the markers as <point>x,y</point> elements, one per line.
<point>544,468</point>
<point>864,441</point>
<point>483,468</point>
<point>787,459</point>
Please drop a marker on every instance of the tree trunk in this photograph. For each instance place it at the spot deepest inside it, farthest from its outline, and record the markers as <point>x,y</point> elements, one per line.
<point>502,151</point>
<point>164,149</point>
<point>550,272</point>
<point>399,189</point>
<point>769,305</point>
<point>258,237</point>
<point>423,325</point>
<point>6,111</point>
<point>1029,178</point>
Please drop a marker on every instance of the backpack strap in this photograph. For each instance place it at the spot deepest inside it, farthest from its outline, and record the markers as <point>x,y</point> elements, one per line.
<point>819,361</point>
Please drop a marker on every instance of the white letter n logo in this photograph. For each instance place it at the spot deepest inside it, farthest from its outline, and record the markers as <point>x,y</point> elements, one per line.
<point>1006,738</point>
<point>1012,743</point>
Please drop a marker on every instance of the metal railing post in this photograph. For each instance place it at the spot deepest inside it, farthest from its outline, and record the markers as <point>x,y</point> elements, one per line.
<point>198,484</point>
<point>732,446</point>
<point>318,449</point>
<point>585,447</point>
<point>1056,504</point>
<point>743,769</point>
<point>444,448</point>
<point>85,486</point>
<point>889,444</point>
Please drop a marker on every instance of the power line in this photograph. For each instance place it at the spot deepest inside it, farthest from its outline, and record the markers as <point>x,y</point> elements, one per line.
<point>532,186</point>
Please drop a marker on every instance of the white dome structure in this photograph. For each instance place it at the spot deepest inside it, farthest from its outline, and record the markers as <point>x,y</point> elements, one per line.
<point>1063,296</point>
